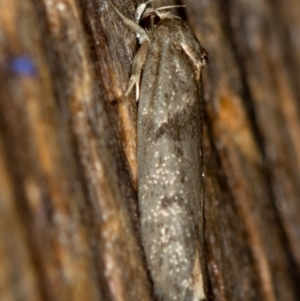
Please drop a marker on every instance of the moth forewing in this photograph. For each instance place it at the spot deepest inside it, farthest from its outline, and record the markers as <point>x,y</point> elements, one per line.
<point>170,187</point>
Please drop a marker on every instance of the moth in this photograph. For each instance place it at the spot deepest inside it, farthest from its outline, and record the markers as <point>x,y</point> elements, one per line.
<point>167,73</point>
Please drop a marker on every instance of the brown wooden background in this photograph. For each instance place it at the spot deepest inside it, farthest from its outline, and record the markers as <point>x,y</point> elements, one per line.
<point>68,205</point>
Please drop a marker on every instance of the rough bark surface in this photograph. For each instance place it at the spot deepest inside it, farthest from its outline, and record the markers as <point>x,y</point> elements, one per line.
<point>69,221</point>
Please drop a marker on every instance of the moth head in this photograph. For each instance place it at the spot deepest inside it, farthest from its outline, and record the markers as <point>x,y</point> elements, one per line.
<point>150,17</point>
<point>204,57</point>
<point>140,11</point>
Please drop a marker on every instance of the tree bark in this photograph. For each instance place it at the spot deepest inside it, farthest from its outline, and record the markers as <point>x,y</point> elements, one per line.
<point>69,218</point>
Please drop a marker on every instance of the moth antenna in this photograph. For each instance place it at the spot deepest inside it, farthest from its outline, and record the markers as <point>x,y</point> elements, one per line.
<point>140,10</point>
<point>168,7</point>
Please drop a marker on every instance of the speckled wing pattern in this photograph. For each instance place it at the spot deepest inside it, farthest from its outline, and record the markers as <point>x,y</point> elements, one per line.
<point>170,161</point>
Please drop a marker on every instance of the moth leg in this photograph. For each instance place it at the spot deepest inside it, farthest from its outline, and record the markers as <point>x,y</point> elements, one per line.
<point>138,64</point>
<point>140,57</point>
<point>199,63</point>
<point>141,34</point>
